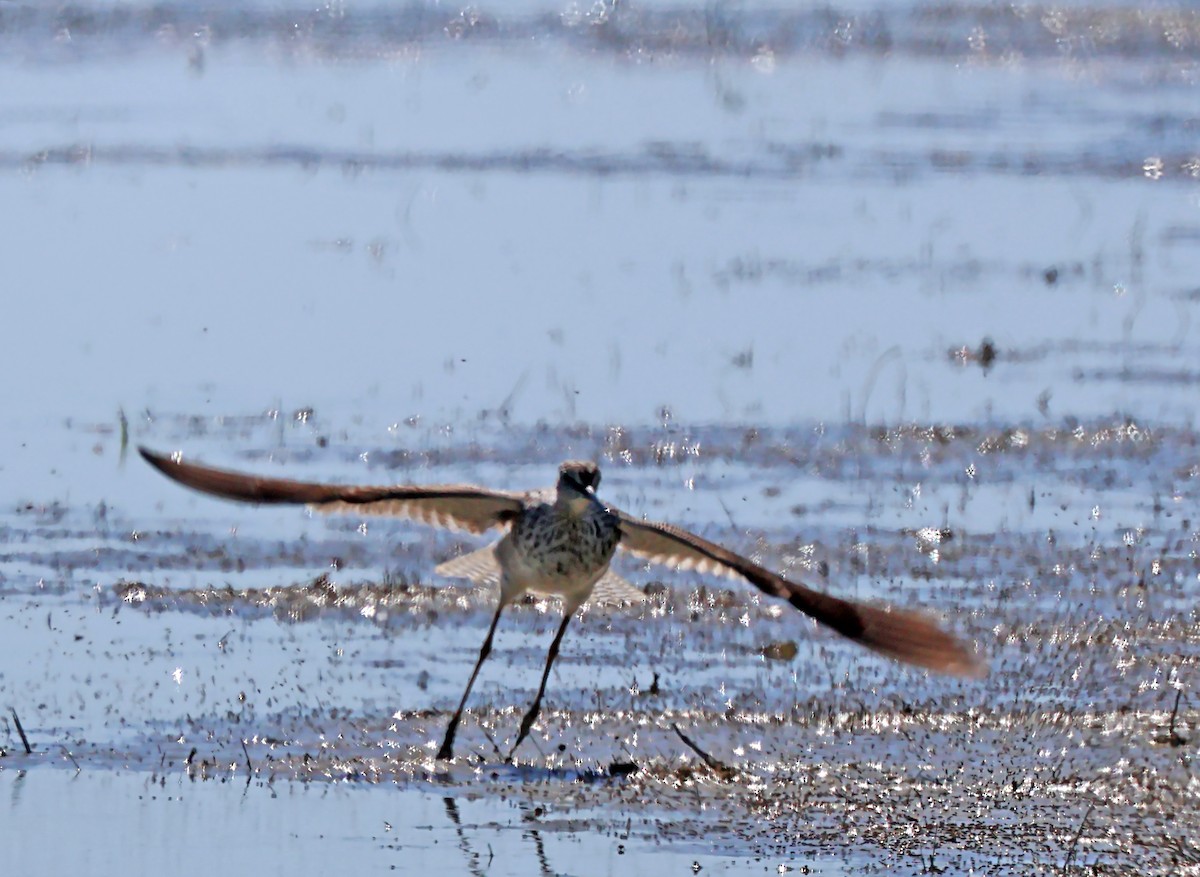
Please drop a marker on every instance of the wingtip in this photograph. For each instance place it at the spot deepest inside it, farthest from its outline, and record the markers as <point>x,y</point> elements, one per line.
<point>952,657</point>
<point>157,460</point>
<point>960,659</point>
<point>973,667</point>
<point>914,638</point>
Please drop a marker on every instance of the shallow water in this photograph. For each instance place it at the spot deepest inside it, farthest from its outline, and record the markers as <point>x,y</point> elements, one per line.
<point>161,641</point>
<point>896,299</point>
<point>171,823</point>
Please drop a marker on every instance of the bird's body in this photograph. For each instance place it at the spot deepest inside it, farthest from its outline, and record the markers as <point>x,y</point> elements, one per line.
<point>561,548</point>
<point>560,544</point>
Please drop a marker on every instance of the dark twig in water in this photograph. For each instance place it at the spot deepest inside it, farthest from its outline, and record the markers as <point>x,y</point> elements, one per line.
<point>249,765</point>
<point>1078,835</point>
<point>718,767</point>
<point>123,422</point>
<point>67,752</point>
<point>21,731</point>
<point>891,353</point>
<point>932,867</point>
<point>727,512</point>
<point>492,740</point>
<point>652,691</point>
<point>1173,736</point>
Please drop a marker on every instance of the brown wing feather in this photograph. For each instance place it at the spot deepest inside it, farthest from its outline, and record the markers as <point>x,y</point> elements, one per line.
<point>460,507</point>
<point>905,636</point>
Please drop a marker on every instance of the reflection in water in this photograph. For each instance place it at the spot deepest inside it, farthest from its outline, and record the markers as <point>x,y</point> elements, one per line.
<point>475,862</point>
<point>18,784</point>
<point>543,862</point>
<point>472,858</point>
<point>114,822</point>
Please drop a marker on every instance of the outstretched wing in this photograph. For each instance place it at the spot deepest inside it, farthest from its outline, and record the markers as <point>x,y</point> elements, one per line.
<point>480,566</point>
<point>905,636</point>
<point>456,506</point>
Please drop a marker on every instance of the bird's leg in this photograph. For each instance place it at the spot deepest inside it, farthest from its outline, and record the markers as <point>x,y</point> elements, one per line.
<point>447,750</point>
<point>527,722</point>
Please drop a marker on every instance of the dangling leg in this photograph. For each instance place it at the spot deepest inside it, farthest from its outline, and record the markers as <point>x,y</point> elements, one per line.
<point>527,722</point>
<point>447,750</point>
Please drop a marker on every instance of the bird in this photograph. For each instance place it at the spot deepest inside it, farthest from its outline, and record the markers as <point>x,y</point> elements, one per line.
<point>559,543</point>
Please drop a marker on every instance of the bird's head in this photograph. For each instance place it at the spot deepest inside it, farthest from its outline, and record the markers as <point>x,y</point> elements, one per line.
<point>578,476</point>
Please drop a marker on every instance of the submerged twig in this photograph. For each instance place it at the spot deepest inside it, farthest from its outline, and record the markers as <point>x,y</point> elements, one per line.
<point>21,731</point>
<point>1173,736</point>
<point>717,766</point>
<point>249,765</point>
<point>491,740</point>
<point>728,513</point>
<point>1078,835</point>
<point>123,423</point>
<point>67,752</point>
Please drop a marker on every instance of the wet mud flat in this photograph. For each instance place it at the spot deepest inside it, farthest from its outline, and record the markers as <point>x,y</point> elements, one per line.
<point>192,643</point>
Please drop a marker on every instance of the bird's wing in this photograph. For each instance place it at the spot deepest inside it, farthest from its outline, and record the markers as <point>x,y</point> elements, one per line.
<point>613,590</point>
<point>905,636</point>
<point>480,566</point>
<point>456,506</point>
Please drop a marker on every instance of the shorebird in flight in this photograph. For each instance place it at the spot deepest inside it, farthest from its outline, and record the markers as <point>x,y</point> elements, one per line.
<point>559,543</point>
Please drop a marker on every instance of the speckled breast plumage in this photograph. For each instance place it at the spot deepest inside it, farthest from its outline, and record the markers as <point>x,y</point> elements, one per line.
<point>553,543</point>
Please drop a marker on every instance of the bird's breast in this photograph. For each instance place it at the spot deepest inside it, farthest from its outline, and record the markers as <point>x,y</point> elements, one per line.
<point>549,542</point>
